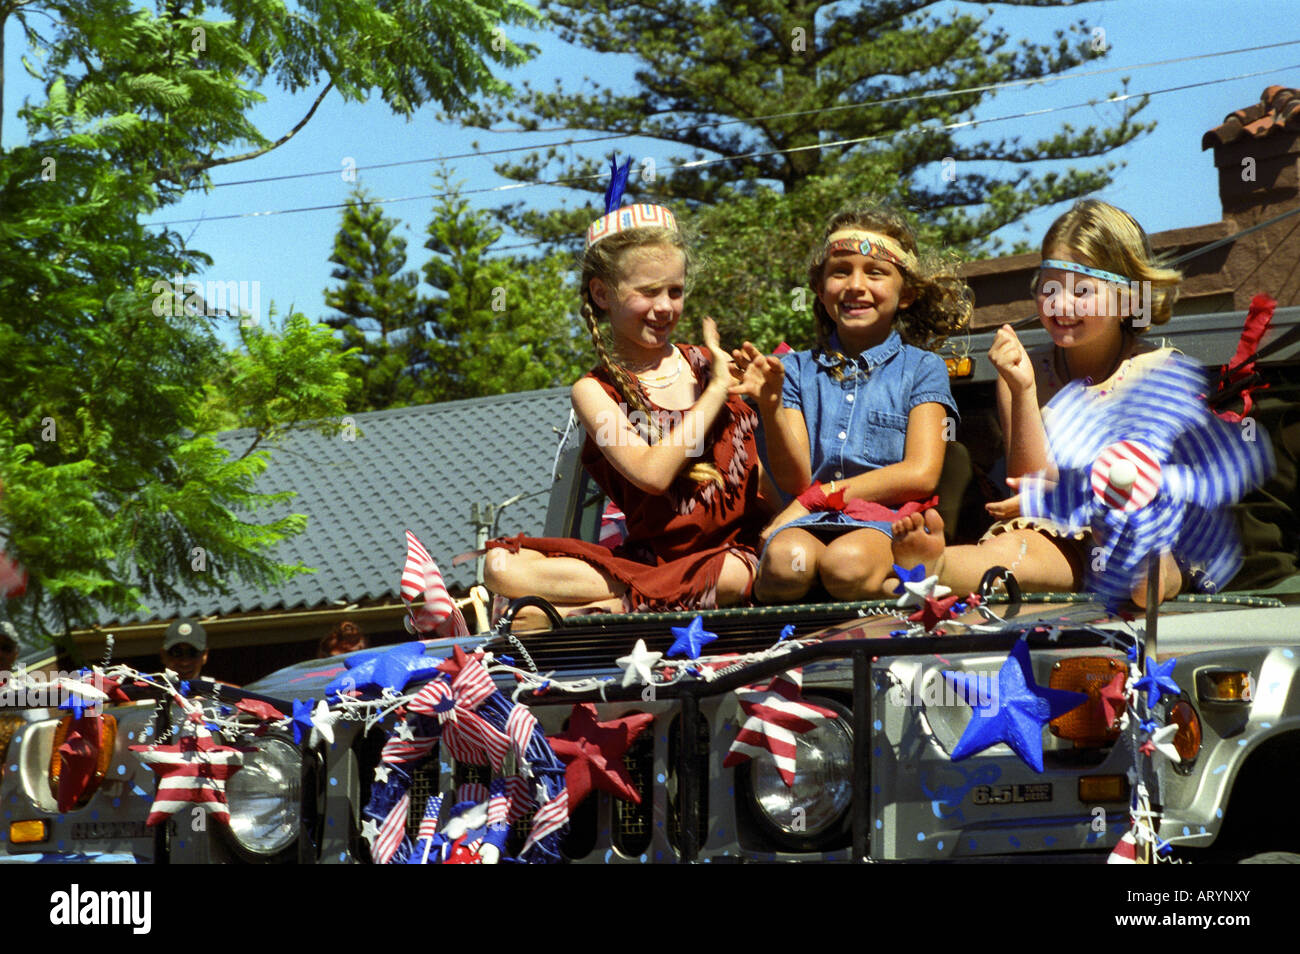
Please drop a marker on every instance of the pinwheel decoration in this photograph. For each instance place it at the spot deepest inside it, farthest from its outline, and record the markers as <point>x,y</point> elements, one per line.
<point>1149,469</point>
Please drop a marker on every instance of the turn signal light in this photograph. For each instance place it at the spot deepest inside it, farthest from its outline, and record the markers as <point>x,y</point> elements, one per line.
<point>1085,726</point>
<point>1225,685</point>
<point>26,832</point>
<point>1103,788</point>
<point>1187,740</point>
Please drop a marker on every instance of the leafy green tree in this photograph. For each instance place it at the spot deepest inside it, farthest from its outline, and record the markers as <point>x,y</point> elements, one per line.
<point>855,91</point>
<point>380,312</point>
<point>116,490</point>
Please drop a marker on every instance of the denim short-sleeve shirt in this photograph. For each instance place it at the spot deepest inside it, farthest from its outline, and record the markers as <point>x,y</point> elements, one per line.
<point>859,422</point>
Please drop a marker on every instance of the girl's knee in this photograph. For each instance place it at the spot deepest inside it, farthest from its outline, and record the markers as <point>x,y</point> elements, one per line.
<point>735,582</point>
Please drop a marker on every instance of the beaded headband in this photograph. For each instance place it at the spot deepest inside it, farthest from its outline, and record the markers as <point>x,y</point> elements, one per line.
<point>870,244</point>
<point>1104,275</point>
<point>616,219</point>
<point>630,217</point>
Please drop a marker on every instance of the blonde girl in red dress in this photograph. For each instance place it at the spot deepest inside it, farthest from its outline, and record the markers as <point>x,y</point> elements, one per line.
<point>664,439</point>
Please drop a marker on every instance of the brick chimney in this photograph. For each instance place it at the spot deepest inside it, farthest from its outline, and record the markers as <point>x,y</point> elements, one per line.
<point>1257,153</point>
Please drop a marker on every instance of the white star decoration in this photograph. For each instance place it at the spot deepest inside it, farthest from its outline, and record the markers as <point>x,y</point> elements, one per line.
<point>369,830</point>
<point>381,774</point>
<point>917,593</point>
<point>1162,739</point>
<point>322,722</point>
<point>638,663</point>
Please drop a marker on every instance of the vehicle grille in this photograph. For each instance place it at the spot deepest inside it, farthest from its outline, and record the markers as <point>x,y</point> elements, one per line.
<point>700,758</point>
<point>632,822</point>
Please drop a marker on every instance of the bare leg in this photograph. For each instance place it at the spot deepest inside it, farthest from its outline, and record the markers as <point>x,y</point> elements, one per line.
<point>1040,563</point>
<point>734,581</point>
<point>856,564</point>
<point>532,618</point>
<point>565,580</point>
<point>789,566</point>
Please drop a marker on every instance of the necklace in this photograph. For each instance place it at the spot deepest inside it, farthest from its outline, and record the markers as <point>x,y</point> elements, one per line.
<point>664,380</point>
<point>1119,356</point>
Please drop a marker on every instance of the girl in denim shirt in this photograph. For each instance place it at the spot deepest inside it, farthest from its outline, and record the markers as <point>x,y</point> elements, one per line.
<point>856,427</point>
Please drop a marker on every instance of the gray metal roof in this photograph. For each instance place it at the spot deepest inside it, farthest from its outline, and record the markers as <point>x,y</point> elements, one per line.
<point>417,468</point>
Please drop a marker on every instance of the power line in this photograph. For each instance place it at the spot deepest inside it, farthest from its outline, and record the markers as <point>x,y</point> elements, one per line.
<point>700,163</point>
<point>679,130</point>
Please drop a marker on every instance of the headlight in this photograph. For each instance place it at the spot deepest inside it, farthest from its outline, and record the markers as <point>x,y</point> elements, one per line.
<point>813,810</point>
<point>265,797</point>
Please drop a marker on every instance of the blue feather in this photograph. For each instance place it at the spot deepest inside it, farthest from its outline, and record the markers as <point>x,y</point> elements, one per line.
<point>617,183</point>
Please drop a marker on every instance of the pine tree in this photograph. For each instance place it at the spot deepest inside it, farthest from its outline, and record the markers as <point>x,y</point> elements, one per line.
<point>381,313</point>
<point>852,92</point>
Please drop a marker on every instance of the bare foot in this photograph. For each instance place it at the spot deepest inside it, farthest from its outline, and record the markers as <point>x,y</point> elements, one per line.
<point>918,538</point>
<point>1171,583</point>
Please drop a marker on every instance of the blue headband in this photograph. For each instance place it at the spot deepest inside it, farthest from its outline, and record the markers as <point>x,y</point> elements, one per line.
<point>1084,270</point>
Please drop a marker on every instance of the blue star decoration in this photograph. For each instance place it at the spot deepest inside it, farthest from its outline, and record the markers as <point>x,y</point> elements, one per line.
<point>689,640</point>
<point>786,632</point>
<point>1158,680</point>
<point>389,668</point>
<point>302,720</point>
<point>915,575</point>
<point>1015,714</point>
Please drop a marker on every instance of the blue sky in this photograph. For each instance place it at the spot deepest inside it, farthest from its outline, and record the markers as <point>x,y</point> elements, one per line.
<point>1168,182</point>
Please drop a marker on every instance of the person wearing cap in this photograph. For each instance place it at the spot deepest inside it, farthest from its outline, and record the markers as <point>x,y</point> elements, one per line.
<point>185,648</point>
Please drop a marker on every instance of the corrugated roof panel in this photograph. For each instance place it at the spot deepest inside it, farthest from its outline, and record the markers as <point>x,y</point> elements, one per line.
<point>419,468</point>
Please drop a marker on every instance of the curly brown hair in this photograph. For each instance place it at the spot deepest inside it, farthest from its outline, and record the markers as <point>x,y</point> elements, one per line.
<point>942,302</point>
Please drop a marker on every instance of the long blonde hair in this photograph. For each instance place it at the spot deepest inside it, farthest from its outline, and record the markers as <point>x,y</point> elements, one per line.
<point>1111,239</point>
<point>941,305</point>
<point>604,260</point>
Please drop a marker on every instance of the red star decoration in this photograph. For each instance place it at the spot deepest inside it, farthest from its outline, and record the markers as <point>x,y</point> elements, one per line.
<point>79,760</point>
<point>260,709</point>
<point>113,689</point>
<point>934,611</point>
<point>593,753</point>
<point>1112,698</point>
<point>1147,747</point>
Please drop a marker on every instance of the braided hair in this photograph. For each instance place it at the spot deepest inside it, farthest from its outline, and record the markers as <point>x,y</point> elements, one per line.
<point>604,260</point>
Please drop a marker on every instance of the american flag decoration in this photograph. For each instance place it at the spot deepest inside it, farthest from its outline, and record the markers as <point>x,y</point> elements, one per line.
<point>463,710</point>
<point>1149,469</point>
<point>192,772</point>
<point>613,526</point>
<point>1125,851</point>
<point>384,817</point>
<point>466,735</point>
<point>775,716</point>
<point>421,579</point>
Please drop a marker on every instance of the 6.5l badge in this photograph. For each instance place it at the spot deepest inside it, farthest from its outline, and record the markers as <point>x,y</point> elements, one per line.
<point>1011,794</point>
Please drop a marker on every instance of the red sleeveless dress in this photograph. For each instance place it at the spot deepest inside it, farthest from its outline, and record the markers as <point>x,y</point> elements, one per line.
<point>676,541</point>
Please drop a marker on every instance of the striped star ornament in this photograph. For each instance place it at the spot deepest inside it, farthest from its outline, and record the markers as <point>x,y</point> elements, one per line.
<point>192,772</point>
<point>776,716</point>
